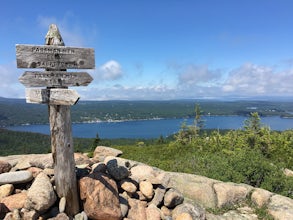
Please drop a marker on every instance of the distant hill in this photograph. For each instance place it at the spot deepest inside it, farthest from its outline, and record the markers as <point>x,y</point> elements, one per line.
<point>17,111</point>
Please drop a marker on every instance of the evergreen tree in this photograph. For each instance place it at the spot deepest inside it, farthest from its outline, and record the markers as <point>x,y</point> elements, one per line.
<point>198,121</point>
<point>97,139</point>
<point>96,142</point>
<point>253,123</point>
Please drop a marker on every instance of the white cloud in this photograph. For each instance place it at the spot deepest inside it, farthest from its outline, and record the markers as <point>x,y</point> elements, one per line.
<point>193,75</point>
<point>249,80</point>
<point>9,84</point>
<point>255,80</point>
<point>124,92</point>
<point>110,70</point>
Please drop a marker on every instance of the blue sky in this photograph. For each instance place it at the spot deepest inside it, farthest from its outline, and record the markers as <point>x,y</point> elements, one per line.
<point>161,49</point>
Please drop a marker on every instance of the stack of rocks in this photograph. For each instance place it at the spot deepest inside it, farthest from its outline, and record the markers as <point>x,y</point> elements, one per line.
<point>110,188</point>
<point>129,190</point>
<point>113,188</point>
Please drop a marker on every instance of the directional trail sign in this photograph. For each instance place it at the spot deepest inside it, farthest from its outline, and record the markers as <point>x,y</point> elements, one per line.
<point>55,79</point>
<point>54,57</point>
<point>52,96</point>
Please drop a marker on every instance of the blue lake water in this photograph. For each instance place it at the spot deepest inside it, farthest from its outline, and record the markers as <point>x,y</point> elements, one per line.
<point>154,128</point>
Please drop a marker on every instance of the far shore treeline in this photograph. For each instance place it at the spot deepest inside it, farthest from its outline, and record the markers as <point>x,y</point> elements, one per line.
<point>18,112</point>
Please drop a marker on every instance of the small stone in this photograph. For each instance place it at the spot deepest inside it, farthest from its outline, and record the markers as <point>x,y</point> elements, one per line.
<point>261,197</point>
<point>41,195</point>
<point>42,161</point>
<point>128,185</point>
<point>173,198</point>
<point>101,152</point>
<point>15,177</point>
<point>116,170</point>
<point>184,216</point>
<point>139,195</point>
<point>137,209</point>
<point>62,204</point>
<point>82,159</point>
<point>81,172</point>
<point>153,212</point>
<point>6,190</point>
<point>195,211</point>
<point>142,172</point>
<point>287,172</point>
<point>81,216</point>
<point>5,167</point>
<point>99,167</point>
<point>49,171</point>
<point>280,207</point>
<point>14,215</point>
<point>159,195</point>
<point>100,197</point>
<point>147,189</point>
<point>16,191</point>
<point>15,201</point>
<point>160,179</point>
<point>23,163</point>
<point>165,211</point>
<point>230,193</point>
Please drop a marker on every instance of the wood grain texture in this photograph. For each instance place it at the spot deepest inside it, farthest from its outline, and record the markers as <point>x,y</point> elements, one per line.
<point>64,164</point>
<point>54,57</point>
<point>55,79</point>
<point>62,144</point>
<point>52,96</point>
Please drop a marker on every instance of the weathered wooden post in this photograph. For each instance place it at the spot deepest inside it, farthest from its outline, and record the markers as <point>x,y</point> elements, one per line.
<point>62,143</point>
<point>56,58</point>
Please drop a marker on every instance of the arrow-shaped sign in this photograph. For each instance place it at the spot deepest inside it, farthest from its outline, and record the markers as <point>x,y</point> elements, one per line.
<point>55,79</point>
<point>54,57</point>
<point>52,96</point>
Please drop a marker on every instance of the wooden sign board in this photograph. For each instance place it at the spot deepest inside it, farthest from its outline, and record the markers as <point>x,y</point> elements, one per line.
<point>54,57</point>
<point>52,96</point>
<point>55,79</point>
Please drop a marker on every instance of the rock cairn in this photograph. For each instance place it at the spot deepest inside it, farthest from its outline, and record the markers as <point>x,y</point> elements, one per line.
<point>113,188</point>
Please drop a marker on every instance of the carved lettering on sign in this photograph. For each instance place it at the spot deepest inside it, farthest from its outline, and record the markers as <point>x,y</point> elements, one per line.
<point>55,65</point>
<point>53,50</point>
<point>55,79</point>
<point>54,57</point>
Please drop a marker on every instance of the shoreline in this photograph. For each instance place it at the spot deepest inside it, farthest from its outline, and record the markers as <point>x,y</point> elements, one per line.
<point>97,120</point>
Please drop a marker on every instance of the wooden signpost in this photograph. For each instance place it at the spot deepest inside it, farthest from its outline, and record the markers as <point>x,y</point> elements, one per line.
<point>56,58</point>
<point>55,79</point>
<point>52,96</point>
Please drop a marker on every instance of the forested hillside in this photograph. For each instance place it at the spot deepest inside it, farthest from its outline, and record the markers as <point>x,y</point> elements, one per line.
<point>13,142</point>
<point>254,155</point>
<point>17,112</point>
